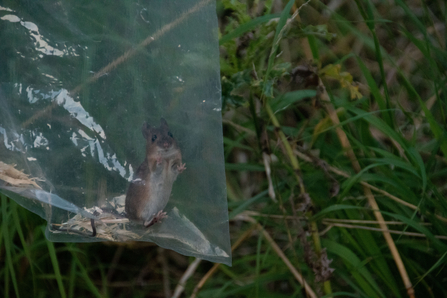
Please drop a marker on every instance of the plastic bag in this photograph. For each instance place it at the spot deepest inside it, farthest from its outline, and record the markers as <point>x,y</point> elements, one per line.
<point>78,82</point>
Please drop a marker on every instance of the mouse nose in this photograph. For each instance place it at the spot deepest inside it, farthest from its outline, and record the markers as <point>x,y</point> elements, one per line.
<point>166,145</point>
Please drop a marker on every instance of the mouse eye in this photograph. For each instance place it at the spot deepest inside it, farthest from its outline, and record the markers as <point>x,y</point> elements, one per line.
<point>154,137</point>
<point>170,134</point>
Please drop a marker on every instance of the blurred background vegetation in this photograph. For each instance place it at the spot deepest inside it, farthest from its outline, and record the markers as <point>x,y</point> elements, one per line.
<point>334,122</point>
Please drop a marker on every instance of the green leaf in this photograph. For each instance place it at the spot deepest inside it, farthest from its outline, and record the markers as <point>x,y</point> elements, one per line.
<point>250,25</point>
<point>282,102</point>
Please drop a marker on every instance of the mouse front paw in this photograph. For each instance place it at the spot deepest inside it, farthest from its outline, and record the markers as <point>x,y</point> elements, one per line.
<point>181,168</point>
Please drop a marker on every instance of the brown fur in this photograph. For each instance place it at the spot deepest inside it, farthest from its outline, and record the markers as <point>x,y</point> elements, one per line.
<point>151,187</point>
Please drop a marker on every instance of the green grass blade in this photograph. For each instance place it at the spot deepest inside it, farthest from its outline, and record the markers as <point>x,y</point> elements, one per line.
<point>372,85</point>
<point>25,245</point>
<point>366,246</point>
<point>420,228</point>
<point>387,130</point>
<point>258,264</point>
<point>8,248</point>
<point>343,294</point>
<point>413,17</point>
<point>347,185</point>
<point>438,132</point>
<point>368,16</point>
<point>84,274</point>
<point>72,280</point>
<point>436,265</point>
<point>397,162</point>
<point>278,35</point>
<point>57,272</point>
<point>247,203</point>
<point>359,272</point>
<point>333,208</point>
<point>244,167</point>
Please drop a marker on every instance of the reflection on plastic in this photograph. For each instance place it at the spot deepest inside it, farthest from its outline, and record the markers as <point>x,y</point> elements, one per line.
<point>40,43</point>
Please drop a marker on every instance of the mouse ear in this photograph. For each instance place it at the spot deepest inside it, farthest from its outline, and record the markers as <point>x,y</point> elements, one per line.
<point>163,123</point>
<point>146,130</point>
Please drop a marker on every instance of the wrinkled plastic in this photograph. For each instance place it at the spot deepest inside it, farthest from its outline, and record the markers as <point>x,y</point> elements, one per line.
<point>78,80</point>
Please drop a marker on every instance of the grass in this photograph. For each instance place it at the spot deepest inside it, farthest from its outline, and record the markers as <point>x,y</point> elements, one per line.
<point>334,135</point>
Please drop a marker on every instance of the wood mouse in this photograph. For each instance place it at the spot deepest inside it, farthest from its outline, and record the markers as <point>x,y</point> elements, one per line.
<point>151,187</point>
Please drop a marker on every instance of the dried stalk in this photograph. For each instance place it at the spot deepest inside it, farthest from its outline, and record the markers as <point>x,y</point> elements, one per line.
<point>188,273</point>
<point>289,265</point>
<point>289,152</point>
<point>210,273</point>
<point>281,254</point>
<point>368,222</point>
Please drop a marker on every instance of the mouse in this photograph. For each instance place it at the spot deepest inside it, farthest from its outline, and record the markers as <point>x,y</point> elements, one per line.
<point>151,187</point>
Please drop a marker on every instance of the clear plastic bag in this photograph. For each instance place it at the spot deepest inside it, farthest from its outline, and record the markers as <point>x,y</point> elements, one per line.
<point>78,82</point>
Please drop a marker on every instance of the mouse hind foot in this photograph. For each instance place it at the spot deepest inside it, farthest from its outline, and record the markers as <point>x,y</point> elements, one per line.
<point>156,219</point>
